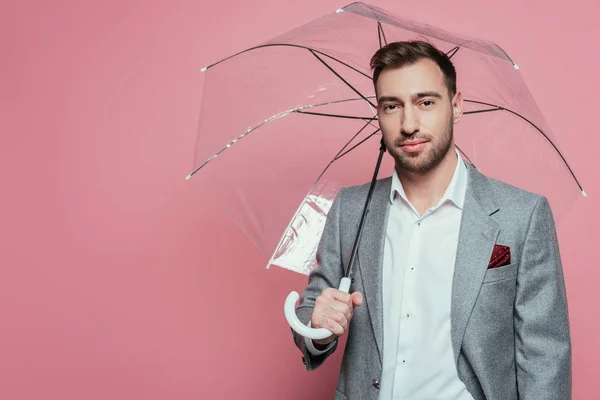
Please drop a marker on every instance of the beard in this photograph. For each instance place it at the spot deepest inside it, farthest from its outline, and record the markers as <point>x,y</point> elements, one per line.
<point>426,160</point>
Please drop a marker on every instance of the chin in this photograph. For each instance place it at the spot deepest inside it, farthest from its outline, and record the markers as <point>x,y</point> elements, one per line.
<point>419,163</point>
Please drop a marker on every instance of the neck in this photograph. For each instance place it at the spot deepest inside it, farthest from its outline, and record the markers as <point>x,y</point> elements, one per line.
<point>424,190</point>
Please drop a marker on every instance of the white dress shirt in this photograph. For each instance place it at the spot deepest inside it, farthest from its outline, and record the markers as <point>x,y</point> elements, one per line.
<point>418,267</point>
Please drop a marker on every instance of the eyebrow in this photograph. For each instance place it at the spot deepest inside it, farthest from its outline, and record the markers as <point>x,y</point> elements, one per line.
<point>414,97</point>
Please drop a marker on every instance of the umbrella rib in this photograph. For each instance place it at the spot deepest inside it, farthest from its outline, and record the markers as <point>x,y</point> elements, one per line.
<point>452,52</point>
<point>335,115</point>
<point>538,129</point>
<point>346,145</point>
<point>297,109</point>
<point>355,146</point>
<point>316,181</point>
<point>342,79</point>
<point>483,111</point>
<point>467,157</point>
<point>380,34</point>
<point>286,45</point>
<point>272,118</point>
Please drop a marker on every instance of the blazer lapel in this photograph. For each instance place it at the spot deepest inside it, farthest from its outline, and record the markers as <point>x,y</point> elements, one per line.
<point>478,233</point>
<point>371,252</point>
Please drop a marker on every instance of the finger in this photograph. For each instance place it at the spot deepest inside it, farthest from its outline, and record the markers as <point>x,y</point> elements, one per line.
<point>341,296</point>
<point>341,318</point>
<point>357,299</point>
<point>333,326</point>
<point>323,317</point>
<point>325,306</point>
<point>339,306</point>
<point>324,312</point>
<point>323,302</point>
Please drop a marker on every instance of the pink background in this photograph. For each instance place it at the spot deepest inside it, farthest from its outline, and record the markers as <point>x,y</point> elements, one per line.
<point>120,279</point>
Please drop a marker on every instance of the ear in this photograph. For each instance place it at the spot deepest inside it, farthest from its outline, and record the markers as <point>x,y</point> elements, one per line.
<point>457,107</point>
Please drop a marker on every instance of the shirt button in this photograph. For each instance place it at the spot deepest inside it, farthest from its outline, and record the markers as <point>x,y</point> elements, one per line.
<point>403,362</point>
<point>376,383</point>
<point>412,268</point>
<point>407,315</point>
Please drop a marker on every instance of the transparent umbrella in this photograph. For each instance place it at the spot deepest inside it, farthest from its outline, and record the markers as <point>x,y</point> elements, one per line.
<point>285,124</point>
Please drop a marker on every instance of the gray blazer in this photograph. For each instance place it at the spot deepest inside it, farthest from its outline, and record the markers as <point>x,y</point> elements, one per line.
<point>510,325</point>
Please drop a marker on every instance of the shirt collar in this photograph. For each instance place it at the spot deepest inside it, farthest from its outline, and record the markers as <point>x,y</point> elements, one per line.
<point>455,192</point>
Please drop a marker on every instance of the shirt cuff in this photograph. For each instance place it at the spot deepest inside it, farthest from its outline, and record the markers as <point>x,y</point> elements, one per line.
<point>311,347</point>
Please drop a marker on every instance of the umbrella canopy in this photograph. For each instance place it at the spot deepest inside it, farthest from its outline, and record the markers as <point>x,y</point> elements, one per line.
<point>286,123</point>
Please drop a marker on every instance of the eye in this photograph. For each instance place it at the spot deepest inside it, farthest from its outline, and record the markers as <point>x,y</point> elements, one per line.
<point>428,103</point>
<point>389,108</point>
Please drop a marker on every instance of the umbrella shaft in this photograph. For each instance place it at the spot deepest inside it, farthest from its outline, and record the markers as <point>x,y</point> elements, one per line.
<point>348,271</point>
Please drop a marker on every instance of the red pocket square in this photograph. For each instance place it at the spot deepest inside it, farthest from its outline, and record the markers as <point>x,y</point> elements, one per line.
<point>500,256</point>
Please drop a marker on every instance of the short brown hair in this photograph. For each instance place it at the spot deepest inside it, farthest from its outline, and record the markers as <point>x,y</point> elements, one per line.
<point>400,54</point>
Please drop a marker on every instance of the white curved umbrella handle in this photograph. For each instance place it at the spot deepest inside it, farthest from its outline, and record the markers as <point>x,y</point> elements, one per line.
<point>290,314</point>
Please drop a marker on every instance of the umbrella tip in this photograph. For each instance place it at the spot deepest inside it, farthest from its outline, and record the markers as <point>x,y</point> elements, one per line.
<point>583,193</point>
<point>339,10</point>
<point>516,66</point>
<point>203,69</point>
<point>187,178</point>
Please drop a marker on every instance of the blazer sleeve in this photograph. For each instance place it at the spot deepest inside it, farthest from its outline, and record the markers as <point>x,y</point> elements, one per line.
<point>542,333</point>
<point>328,273</point>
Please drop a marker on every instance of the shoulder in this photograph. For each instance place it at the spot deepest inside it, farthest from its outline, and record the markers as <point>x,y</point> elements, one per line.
<point>505,194</point>
<point>361,191</point>
<point>517,205</point>
<point>352,198</point>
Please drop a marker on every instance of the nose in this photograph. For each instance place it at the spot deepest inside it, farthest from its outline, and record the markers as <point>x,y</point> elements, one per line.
<point>410,123</point>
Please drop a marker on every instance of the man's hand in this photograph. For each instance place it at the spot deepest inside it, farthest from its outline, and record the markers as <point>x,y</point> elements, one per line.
<point>334,310</point>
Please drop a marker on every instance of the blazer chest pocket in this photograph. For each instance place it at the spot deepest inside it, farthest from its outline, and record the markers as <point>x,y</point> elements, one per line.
<point>501,273</point>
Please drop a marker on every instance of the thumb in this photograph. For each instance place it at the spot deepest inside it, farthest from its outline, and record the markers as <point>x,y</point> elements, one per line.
<point>357,299</point>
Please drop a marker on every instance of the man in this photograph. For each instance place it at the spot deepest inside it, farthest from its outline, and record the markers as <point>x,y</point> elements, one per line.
<point>458,290</point>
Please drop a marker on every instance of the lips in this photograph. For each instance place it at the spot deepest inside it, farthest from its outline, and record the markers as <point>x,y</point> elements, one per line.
<point>413,146</point>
